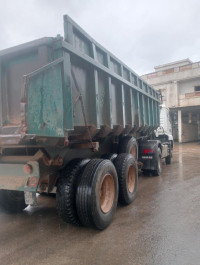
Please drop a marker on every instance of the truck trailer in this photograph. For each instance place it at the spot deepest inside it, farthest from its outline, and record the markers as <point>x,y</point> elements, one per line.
<point>75,121</point>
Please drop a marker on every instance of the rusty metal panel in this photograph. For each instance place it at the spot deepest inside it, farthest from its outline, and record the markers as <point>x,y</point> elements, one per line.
<point>67,93</point>
<point>13,67</point>
<point>128,106</point>
<point>13,177</point>
<point>90,88</point>
<point>103,102</point>
<point>16,68</point>
<point>83,84</point>
<point>117,108</point>
<point>45,104</point>
<point>88,50</point>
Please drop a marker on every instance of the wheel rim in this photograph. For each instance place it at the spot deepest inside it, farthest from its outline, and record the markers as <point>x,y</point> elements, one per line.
<point>133,152</point>
<point>131,179</point>
<point>107,193</point>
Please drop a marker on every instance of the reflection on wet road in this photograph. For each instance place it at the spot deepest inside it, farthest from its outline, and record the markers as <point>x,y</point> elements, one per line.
<point>161,227</point>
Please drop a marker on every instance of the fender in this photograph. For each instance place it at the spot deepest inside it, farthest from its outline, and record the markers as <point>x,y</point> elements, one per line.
<point>148,153</point>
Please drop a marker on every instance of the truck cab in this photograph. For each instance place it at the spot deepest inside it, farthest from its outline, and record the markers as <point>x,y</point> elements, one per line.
<point>159,147</point>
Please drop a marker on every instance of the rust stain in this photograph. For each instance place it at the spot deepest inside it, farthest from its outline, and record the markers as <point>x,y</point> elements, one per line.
<point>185,67</point>
<point>193,94</point>
<point>168,71</point>
<point>89,145</point>
<point>58,161</point>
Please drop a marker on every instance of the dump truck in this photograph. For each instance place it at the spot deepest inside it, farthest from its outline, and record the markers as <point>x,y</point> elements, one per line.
<point>74,121</point>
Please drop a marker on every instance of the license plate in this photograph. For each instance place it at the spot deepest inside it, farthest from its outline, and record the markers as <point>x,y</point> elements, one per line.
<point>147,157</point>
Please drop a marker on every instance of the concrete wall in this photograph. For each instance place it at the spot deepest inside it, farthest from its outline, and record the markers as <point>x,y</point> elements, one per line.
<point>173,65</point>
<point>173,74</point>
<point>180,94</point>
<point>176,81</point>
<point>192,99</point>
<point>169,93</point>
<point>187,86</point>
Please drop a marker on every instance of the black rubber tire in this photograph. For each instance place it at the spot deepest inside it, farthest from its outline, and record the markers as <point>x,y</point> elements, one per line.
<point>168,158</point>
<point>127,144</point>
<point>158,170</point>
<point>88,194</point>
<point>66,190</point>
<point>171,147</point>
<point>109,156</point>
<point>123,163</point>
<point>12,201</point>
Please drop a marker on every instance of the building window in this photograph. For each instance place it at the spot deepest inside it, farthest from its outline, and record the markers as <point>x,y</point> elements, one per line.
<point>197,88</point>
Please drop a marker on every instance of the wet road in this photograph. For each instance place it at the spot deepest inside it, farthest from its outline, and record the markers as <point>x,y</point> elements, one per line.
<point>161,227</point>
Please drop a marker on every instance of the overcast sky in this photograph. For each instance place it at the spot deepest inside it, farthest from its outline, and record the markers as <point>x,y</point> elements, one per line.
<point>141,33</point>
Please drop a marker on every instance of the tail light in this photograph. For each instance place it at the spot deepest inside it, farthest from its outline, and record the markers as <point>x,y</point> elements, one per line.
<point>148,151</point>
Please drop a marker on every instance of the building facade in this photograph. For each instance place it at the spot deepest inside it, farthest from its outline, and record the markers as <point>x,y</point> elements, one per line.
<point>179,84</point>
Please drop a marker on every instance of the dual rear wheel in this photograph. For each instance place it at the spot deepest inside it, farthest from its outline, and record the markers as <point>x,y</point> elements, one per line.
<point>129,145</point>
<point>97,194</point>
<point>88,191</point>
<point>88,194</point>
<point>127,172</point>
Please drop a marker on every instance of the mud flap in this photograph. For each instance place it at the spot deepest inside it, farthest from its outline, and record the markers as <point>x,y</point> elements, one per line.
<point>14,177</point>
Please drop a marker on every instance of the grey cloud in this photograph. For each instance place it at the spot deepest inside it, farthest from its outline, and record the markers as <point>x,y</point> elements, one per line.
<point>141,33</point>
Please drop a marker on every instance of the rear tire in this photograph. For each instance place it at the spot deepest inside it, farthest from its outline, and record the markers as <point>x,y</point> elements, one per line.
<point>168,158</point>
<point>12,201</point>
<point>66,191</point>
<point>129,145</point>
<point>97,194</point>
<point>127,172</point>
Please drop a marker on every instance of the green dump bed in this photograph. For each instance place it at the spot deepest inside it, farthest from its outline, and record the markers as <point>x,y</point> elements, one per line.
<point>71,88</point>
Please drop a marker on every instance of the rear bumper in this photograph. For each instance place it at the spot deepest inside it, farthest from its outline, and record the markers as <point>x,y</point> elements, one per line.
<point>13,177</point>
<point>149,164</point>
<point>149,160</point>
